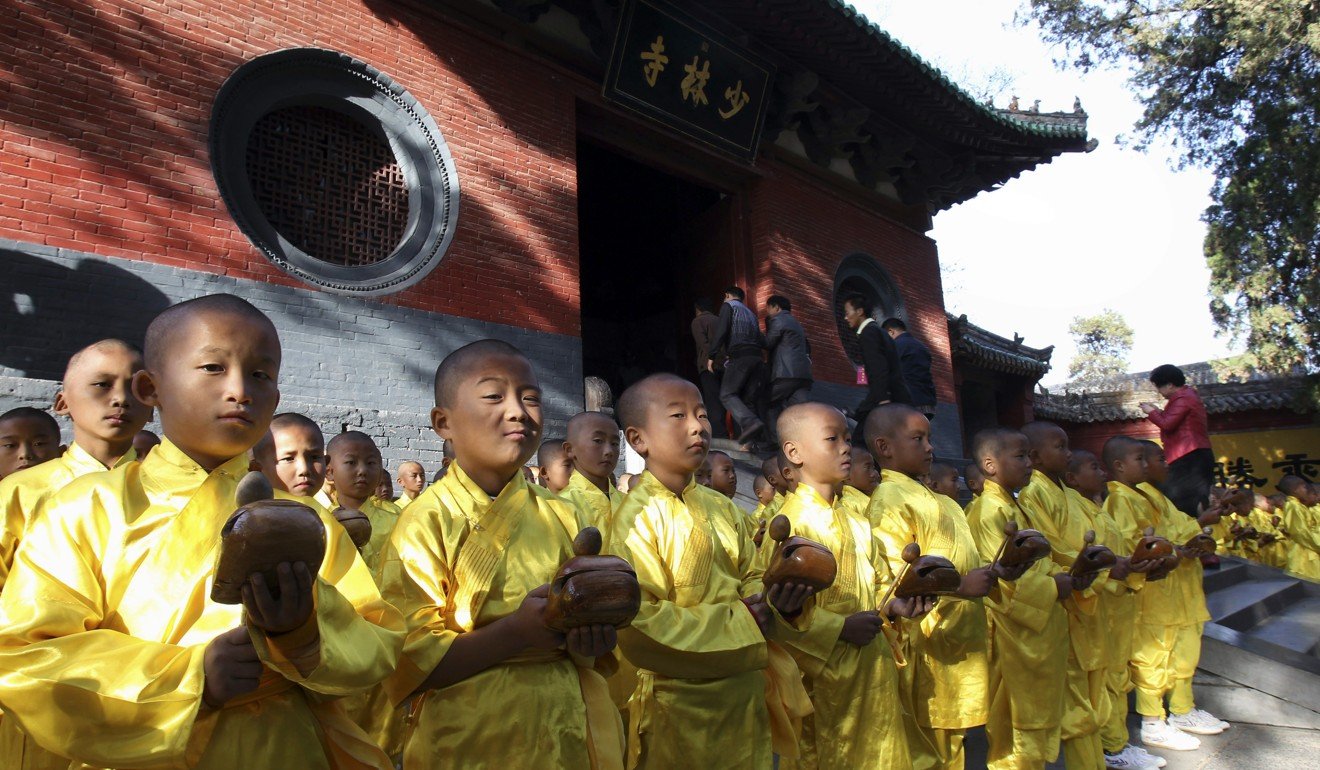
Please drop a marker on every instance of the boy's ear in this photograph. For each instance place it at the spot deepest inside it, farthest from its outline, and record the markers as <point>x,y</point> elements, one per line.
<point>636,439</point>
<point>568,451</point>
<point>440,422</point>
<point>792,452</point>
<point>880,448</point>
<point>61,406</point>
<point>989,467</point>
<point>144,388</point>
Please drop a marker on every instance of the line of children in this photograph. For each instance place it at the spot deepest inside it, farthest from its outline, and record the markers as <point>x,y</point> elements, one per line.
<point>111,655</point>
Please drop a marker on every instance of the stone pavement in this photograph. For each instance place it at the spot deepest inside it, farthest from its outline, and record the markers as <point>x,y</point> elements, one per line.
<point>1267,734</point>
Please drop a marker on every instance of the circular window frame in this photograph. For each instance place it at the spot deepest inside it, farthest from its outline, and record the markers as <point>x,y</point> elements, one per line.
<point>337,81</point>
<point>887,300</point>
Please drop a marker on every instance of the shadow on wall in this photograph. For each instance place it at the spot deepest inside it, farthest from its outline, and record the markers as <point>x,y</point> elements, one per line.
<point>48,311</point>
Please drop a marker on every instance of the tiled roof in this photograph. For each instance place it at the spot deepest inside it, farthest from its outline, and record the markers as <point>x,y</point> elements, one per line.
<point>986,349</point>
<point>1219,397</point>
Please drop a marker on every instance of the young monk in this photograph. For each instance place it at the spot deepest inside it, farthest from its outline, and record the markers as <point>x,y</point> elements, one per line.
<point>1173,613</point>
<point>292,455</point>
<point>592,447</point>
<point>385,489</point>
<point>1047,509</point>
<point>554,466</point>
<point>28,437</point>
<point>107,602</point>
<point>945,682</point>
<point>764,495</point>
<point>850,674</point>
<point>412,479</point>
<point>1028,626</point>
<point>699,642</point>
<point>468,565</point>
<point>1272,547</point>
<point>974,479</point>
<point>702,475</point>
<point>1124,459</point>
<point>353,460</point>
<point>723,475</point>
<point>863,478</point>
<point>144,442</point>
<point>1300,518</point>
<point>779,472</point>
<point>96,395</point>
<point>943,480</point>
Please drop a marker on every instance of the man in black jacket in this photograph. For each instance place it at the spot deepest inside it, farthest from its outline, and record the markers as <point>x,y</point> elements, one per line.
<point>914,358</point>
<point>884,375</point>
<point>704,326</point>
<point>790,356</point>
<point>739,337</point>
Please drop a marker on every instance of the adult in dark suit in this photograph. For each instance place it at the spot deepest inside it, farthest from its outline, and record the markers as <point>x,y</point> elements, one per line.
<point>884,374</point>
<point>914,358</point>
<point>705,325</point>
<point>790,357</point>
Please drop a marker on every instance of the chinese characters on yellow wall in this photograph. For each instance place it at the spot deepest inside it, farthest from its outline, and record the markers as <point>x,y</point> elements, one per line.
<point>1258,459</point>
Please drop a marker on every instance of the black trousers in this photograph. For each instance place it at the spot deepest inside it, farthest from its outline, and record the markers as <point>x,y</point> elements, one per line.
<point>1189,480</point>
<point>785,393</point>
<point>710,393</point>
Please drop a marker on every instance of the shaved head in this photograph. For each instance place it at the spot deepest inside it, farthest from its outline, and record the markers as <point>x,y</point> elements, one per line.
<point>943,471</point>
<point>770,466</point>
<point>1037,432</point>
<point>1116,448</point>
<point>632,404</point>
<point>886,420</point>
<point>349,438</point>
<point>1291,484</point>
<point>796,419</point>
<point>585,422</point>
<point>551,449</point>
<point>459,364</point>
<point>1079,458</point>
<point>164,330</point>
<point>992,441</point>
<point>103,346</point>
<point>42,417</point>
<point>265,448</point>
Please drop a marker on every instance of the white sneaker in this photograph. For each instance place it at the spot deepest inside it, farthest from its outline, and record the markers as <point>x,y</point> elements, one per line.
<point>1128,759</point>
<point>1197,722</point>
<point>1212,718</point>
<point>1153,759</point>
<point>1163,735</point>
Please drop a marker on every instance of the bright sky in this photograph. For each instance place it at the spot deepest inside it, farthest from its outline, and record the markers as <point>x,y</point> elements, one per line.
<point>1114,228</point>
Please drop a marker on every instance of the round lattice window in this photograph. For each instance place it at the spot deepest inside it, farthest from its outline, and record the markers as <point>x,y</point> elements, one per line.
<point>333,171</point>
<point>862,274</point>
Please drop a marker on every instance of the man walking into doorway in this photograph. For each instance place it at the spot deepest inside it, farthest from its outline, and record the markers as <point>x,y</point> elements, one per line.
<point>884,375</point>
<point>739,337</point>
<point>914,361</point>
<point>790,357</point>
<point>704,326</point>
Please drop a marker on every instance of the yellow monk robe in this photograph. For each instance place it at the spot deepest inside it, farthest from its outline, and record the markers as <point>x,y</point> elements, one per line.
<point>945,685</point>
<point>599,510</point>
<point>459,560</point>
<point>858,719</point>
<point>1167,643</point>
<point>769,511</point>
<point>1303,525</point>
<point>1187,613</point>
<point>1116,609</point>
<point>701,692</point>
<point>21,493</point>
<point>1048,510</point>
<point>325,499</point>
<point>598,506</point>
<point>1275,554</point>
<point>372,710</point>
<point>855,498</point>
<point>1028,645</point>
<point>107,615</point>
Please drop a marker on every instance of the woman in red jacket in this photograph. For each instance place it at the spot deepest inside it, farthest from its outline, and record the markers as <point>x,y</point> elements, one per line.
<point>1185,435</point>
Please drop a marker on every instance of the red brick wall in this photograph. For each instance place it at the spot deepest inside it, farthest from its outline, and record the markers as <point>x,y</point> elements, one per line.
<point>802,230</point>
<point>104,108</point>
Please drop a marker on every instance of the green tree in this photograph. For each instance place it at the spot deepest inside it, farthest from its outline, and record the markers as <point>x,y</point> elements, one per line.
<point>1235,86</point>
<point>1104,341</point>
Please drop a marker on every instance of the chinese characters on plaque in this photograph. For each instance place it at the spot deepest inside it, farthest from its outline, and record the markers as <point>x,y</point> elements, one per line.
<point>689,77</point>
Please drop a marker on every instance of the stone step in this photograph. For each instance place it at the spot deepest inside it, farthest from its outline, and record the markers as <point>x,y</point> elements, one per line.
<point>1295,627</point>
<point>1244,605</point>
<point>1229,573</point>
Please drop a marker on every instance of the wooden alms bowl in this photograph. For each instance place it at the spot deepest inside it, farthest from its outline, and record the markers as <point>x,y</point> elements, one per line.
<point>590,589</point>
<point>261,534</point>
<point>1092,558</point>
<point>1152,546</point>
<point>356,524</point>
<point>1201,543</point>
<point>927,575</point>
<point>1022,547</point>
<point>798,560</point>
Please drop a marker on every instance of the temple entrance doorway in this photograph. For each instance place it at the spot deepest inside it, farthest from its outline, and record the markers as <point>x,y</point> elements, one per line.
<point>650,243</point>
